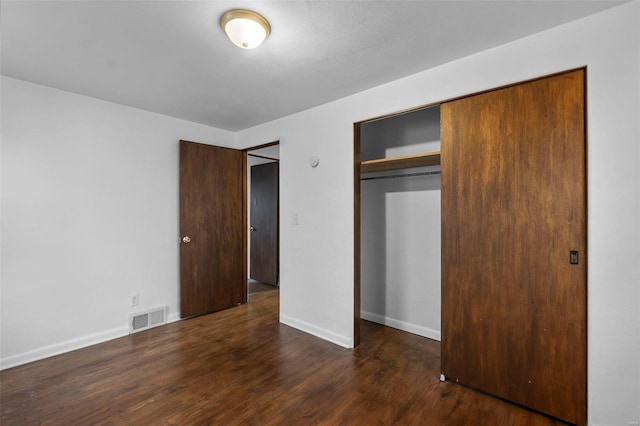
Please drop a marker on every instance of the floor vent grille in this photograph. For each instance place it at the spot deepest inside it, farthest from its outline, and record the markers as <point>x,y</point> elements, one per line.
<point>148,319</point>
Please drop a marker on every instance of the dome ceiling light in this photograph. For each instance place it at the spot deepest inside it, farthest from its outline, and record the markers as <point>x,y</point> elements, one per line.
<point>245,28</point>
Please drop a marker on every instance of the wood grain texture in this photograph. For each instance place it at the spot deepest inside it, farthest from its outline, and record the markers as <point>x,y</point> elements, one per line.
<point>241,367</point>
<point>356,233</point>
<point>213,215</point>
<point>400,162</point>
<point>261,146</point>
<point>513,206</point>
<point>264,223</point>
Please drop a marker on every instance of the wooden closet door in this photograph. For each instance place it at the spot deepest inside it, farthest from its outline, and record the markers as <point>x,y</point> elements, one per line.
<point>513,208</point>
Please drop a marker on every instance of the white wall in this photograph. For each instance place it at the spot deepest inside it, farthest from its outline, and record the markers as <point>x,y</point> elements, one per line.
<point>89,217</point>
<point>317,264</point>
<point>400,223</point>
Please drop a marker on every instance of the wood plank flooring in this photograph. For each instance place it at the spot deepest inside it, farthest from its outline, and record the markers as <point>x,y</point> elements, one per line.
<point>241,367</point>
<point>257,287</point>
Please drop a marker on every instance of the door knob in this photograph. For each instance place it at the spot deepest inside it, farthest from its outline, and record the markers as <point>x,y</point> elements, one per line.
<point>186,240</point>
<point>251,228</point>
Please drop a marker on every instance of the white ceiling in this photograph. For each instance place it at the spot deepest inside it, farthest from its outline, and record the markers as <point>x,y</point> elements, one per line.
<point>171,57</point>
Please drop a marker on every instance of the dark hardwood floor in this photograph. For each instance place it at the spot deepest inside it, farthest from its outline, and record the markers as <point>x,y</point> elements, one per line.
<point>257,287</point>
<point>240,366</point>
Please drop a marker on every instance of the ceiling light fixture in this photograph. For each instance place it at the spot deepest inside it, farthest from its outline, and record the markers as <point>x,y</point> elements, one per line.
<point>245,28</point>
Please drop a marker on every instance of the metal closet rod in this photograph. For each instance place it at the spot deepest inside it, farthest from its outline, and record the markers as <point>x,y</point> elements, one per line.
<point>435,172</point>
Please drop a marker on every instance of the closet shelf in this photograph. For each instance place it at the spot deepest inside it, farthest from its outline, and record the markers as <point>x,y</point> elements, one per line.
<point>401,162</point>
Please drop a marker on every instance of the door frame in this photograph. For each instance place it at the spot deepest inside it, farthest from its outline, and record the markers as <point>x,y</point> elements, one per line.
<point>244,236</point>
<point>245,213</point>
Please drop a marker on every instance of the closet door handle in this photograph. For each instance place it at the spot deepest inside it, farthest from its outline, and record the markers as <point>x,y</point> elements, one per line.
<point>573,257</point>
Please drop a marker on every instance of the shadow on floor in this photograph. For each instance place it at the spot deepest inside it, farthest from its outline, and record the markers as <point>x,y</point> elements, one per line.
<point>258,287</point>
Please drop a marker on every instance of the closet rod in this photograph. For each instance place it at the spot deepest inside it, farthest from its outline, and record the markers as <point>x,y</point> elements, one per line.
<point>435,172</point>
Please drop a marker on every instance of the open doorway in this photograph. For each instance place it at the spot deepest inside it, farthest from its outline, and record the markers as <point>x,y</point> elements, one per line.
<point>263,214</point>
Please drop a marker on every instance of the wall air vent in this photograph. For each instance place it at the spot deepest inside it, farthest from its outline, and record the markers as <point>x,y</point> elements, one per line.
<point>148,319</point>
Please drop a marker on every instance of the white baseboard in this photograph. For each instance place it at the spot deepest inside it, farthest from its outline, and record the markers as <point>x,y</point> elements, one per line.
<point>345,342</point>
<point>70,345</point>
<point>173,317</point>
<point>62,347</point>
<point>401,325</point>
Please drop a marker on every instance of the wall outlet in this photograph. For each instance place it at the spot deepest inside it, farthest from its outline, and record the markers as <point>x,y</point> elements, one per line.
<point>295,218</point>
<point>135,300</point>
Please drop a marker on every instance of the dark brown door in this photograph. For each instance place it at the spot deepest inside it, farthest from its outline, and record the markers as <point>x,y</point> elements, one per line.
<point>212,228</point>
<point>513,211</point>
<point>264,223</point>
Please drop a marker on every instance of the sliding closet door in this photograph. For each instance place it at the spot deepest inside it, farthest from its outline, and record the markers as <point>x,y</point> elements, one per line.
<point>514,244</point>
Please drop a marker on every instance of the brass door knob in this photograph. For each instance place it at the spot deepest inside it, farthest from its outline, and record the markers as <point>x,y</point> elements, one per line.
<point>186,240</point>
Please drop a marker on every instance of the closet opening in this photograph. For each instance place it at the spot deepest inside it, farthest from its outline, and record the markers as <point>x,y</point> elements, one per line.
<point>398,222</point>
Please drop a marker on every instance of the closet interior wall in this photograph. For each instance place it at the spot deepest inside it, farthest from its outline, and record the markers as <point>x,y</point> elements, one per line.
<point>400,226</point>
